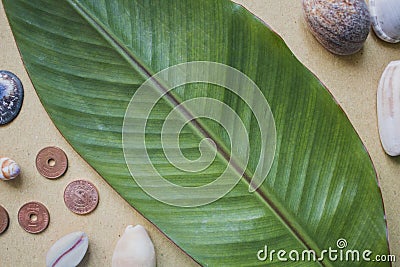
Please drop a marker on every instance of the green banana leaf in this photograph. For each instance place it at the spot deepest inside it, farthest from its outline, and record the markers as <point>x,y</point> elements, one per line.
<point>87,58</point>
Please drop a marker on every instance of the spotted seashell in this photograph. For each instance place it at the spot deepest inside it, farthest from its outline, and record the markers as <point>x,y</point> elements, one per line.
<point>388,107</point>
<point>11,96</point>
<point>134,248</point>
<point>385,16</point>
<point>9,169</point>
<point>68,251</point>
<point>340,26</point>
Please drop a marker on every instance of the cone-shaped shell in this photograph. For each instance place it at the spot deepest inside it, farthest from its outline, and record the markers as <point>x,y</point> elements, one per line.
<point>9,169</point>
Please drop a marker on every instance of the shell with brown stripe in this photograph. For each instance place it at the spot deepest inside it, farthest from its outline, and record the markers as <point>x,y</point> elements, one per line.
<point>9,169</point>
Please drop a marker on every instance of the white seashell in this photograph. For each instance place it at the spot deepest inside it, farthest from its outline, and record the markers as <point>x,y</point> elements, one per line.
<point>388,106</point>
<point>340,26</point>
<point>68,251</point>
<point>9,169</point>
<point>385,15</point>
<point>134,248</point>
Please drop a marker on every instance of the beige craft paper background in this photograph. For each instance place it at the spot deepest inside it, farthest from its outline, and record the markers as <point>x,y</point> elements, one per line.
<point>352,80</point>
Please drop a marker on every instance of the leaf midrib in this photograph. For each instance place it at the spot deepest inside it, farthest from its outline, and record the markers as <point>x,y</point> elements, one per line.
<point>272,202</point>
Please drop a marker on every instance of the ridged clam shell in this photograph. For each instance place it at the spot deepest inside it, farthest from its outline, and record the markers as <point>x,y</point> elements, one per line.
<point>388,106</point>
<point>385,15</point>
<point>9,169</point>
<point>68,251</point>
<point>340,26</point>
<point>134,248</point>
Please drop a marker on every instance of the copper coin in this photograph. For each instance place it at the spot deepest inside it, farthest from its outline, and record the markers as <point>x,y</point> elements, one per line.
<point>51,162</point>
<point>33,217</point>
<point>81,197</point>
<point>4,220</point>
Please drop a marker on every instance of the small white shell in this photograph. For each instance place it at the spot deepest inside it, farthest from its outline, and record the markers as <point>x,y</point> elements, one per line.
<point>9,169</point>
<point>134,248</point>
<point>388,106</point>
<point>385,15</point>
<point>68,251</point>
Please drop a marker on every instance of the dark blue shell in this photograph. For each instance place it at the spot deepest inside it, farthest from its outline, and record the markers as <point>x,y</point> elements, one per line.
<point>11,96</point>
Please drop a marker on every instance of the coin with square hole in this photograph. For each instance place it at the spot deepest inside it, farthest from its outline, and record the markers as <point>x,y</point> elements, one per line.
<point>4,220</point>
<point>33,217</point>
<point>51,162</point>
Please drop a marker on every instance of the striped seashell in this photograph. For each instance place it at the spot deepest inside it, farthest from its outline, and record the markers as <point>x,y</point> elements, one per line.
<point>388,107</point>
<point>385,15</point>
<point>9,169</point>
<point>134,248</point>
<point>68,251</point>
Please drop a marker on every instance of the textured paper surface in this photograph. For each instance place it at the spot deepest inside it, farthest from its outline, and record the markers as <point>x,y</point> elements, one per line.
<point>352,80</point>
